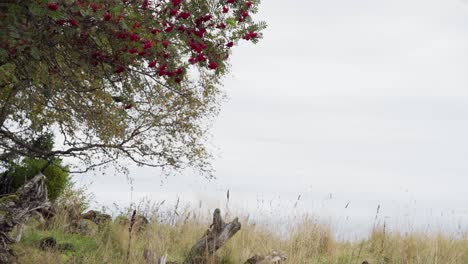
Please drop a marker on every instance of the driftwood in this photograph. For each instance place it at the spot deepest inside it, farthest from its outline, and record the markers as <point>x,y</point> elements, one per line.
<point>151,258</point>
<point>215,237</point>
<point>17,209</point>
<point>132,222</point>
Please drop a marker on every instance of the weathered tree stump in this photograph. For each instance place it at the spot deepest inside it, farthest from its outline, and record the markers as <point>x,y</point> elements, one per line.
<point>17,209</point>
<point>215,237</point>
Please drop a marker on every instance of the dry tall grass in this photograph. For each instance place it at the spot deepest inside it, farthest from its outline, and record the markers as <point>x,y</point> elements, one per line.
<point>174,232</point>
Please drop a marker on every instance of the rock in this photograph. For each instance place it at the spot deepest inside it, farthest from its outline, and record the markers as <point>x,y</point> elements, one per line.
<point>83,227</point>
<point>66,247</point>
<point>122,220</point>
<point>87,227</point>
<point>97,217</point>
<point>253,260</point>
<point>140,223</point>
<point>48,243</point>
<point>275,257</point>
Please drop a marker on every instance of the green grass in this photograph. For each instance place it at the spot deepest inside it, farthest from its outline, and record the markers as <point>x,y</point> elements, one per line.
<point>82,246</point>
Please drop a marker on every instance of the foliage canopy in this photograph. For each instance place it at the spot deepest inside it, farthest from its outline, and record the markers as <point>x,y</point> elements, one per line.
<point>113,79</point>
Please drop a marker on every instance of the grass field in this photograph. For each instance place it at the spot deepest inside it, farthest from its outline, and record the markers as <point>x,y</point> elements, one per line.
<point>305,242</point>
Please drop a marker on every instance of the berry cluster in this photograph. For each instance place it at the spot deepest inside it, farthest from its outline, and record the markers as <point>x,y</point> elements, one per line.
<point>163,37</point>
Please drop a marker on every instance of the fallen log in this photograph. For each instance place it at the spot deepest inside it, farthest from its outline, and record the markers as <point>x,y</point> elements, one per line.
<point>16,209</point>
<point>215,237</point>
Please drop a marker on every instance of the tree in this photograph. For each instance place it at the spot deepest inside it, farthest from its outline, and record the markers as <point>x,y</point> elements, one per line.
<point>116,79</point>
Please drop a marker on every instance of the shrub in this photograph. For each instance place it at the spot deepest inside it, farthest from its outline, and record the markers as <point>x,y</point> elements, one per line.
<point>57,177</point>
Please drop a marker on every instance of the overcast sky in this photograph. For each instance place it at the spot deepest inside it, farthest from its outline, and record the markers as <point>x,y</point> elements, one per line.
<point>360,101</point>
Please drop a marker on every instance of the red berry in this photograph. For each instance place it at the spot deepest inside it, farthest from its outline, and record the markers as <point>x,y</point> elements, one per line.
<point>169,29</point>
<point>136,25</point>
<point>73,22</point>
<point>184,15</point>
<point>230,1</point>
<point>248,4</point>
<point>201,57</point>
<point>250,35</point>
<point>134,37</point>
<point>162,70</point>
<point>170,74</point>
<point>53,6</point>
<point>173,12</point>
<point>107,16</point>
<point>198,21</point>
<point>245,14</point>
<point>145,4</point>
<point>197,47</point>
<point>200,33</point>
<point>165,43</point>
<point>154,31</point>
<point>121,35</point>
<point>181,28</point>
<point>94,6</point>
<point>176,2</point>
<point>230,44</point>
<point>225,9</point>
<point>207,18</point>
<point>152,64</point>
<point>132,51</point>
<point>147,44</point>
<point>213,65</point>
<point>119,69</point>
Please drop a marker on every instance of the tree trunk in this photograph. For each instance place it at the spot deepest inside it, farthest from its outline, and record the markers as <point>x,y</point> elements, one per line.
<point>17,209</point>
<point>215,237</point>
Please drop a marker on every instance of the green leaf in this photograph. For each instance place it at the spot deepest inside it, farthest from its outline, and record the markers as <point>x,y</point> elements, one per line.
<point>117,9</point>
<point>84,12</point>
<point>231,21</point>
<point>124,25</point>
<point>55,15</point>
<point>15,9</point>
<point>7,71</point>
<point>13,32</point>
<point>36,10</point>
<point>3,54</point>
<point>35,53</point>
